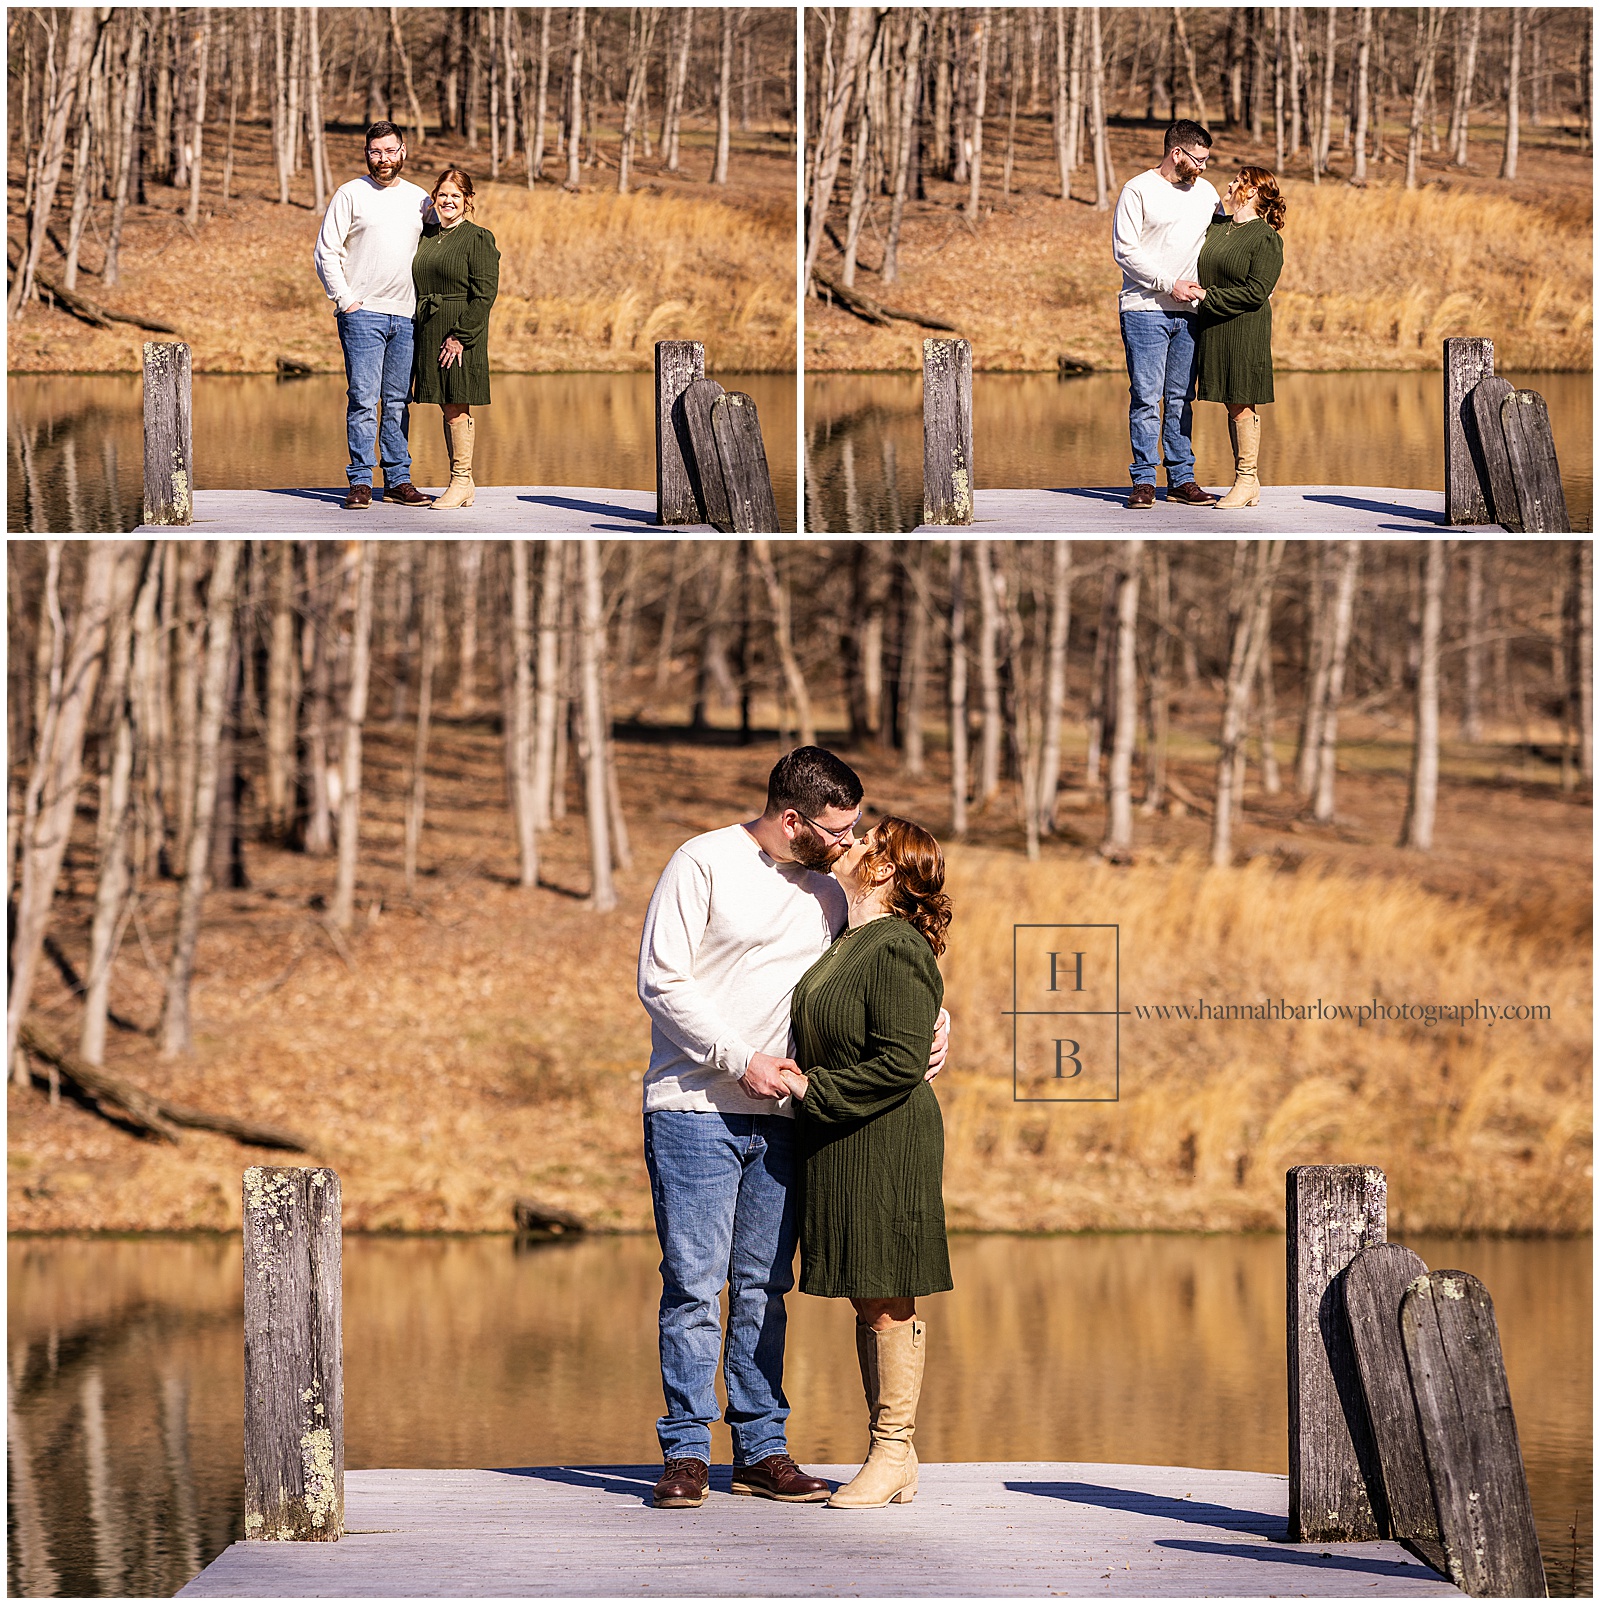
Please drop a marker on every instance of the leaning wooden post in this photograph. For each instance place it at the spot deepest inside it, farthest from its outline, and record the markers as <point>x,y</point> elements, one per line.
<point>678,364</point>
<point>1469,1435</point>
<point>293,1355</point>
<point>1334,1211</point>
<point>1465,363</point>
<point>946,432</point>
<point>168,434</point>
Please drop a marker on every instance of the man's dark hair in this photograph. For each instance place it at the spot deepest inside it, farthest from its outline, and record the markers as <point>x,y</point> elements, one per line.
<point>1184,132</point>
<point>810,780</point>
<point>383,128</point>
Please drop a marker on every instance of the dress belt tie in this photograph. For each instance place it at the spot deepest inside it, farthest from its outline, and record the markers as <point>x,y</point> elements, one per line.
<point>427,305</point>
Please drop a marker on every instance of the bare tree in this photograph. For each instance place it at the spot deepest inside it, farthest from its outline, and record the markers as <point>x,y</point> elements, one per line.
<point>522,733</point>
<point>719,168</point>
<point>1103,175</point>
<point>1055,682</point>
<point>1472,648</point>
<point>416,802</point>
<point>1429,24</point>
<point>176,1031</point>
<point>575,100</point>
<point>1363,97</point>
<point>1508,157</point>
<point>980,43</point>
<point>1118,842</point>
<point>957,678</point>
<point>988,674</point>
<point>783,638</point>
<point>73,671</point>
<point>641,34</point>
<point>835,103</point>
<point>602,895</point>
<point>1328,734</point>
<point>552,589</point>
<point>541,105</point>
<point>361,555</point>
<point>1422,796</point>
<point>469,561</point>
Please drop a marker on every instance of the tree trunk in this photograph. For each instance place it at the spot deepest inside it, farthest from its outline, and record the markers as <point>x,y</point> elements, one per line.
<point>1118,843</point>
<point>958,694</point>
<point>202,55</point>
<point>1249,642</point>
<point>905,148</point>
<point>344,895</point>
<point>1508,157</point>
<point>541,106</point>
<point>638,71</point>
<point>176,1034</point>
<point>1103,175</point>
<point>1472,688</point>
<point>1065,125</point>
<point>1582,687</point>
<point>575,100</point>
<point>282,697</point>
<point>1363,97</point>
<point>829,148</point>
<point>1318,655</point>
<point>469,561</point>
<point>980,95</point>
<point>602,896</point>
<point>1325,120</point>
<point>1428,26</point>
<point>316,827</point>
<point>1416,831</point>
<point>190,627</point>
<point>1271,780</point>
<point>280,107</point>
<point>551,593</point>
<point>719,170</point>
<point>50,801</point>
<point>988,675</point>
<point>1328,742</point>
<point>92,97</point>
<point>522,717</point>
<point>128,144</point>
<point>866,98</point>
<point>316,137</point>
<point>1157,680</point>
<point>416,804</point>
<point>794,678</point>
<point>672,109</point>
<point>1055,696</point>
<point>916,663</point>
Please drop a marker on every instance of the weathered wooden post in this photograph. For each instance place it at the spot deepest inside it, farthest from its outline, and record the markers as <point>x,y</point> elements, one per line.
<point>1469,1435</point>
<point>293,1355</point>
<point>743,455</point>
<point>1465,363</point>
<point>1373,1287</point>
<point>1484,403</point>
<point>1333,1212</point>
<point>946,432</point>
<point>678,364</point>
<point>1531,446</point>
<point>168,434</point>
<point>708,494</point>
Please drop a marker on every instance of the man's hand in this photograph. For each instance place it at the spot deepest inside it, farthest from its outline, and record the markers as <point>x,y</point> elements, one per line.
<point>1187,290</point>
<point>763,1077</point>
<point>941,1044</point>
<point>355,306</point>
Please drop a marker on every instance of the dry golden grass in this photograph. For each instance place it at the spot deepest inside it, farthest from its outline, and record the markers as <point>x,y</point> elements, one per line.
<point>1479,1127</point>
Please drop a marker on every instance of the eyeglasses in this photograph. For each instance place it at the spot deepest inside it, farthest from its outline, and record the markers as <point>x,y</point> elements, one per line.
<point>382,154</point>
<point>832,835</point>
<point>1199,161</point>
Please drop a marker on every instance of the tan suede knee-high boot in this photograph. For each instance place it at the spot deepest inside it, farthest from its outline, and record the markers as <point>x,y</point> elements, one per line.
<point>1246,490</point>
<point>458,434</point>
<point>891,1373</point>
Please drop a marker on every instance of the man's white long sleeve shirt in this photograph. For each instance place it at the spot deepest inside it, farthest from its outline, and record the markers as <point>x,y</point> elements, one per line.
<point>1156,239</point>
<point>728,934</point>
<point>364,248</point>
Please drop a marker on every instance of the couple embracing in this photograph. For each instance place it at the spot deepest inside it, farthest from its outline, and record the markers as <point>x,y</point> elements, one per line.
<point>1198,271</point>
<point>795,1027</point>
<point>412,279</point>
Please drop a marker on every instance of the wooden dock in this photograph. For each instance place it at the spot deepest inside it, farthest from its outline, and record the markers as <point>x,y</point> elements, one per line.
<point>987,1529</point>
<point>1284,510</point>
<point>497,510</point>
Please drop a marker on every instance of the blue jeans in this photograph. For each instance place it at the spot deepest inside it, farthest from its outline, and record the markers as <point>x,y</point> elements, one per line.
<point>377,368</point>
<point>1161,369</point>
<point>727,1211</point>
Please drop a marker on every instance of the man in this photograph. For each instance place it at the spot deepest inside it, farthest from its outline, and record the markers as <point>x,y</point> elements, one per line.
<point>738,916</point>
<point>363,256</point>
<point>1162,217</point>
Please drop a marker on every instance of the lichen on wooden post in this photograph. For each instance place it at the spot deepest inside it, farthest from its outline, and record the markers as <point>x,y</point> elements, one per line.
<point>293,1355</point>
<point>678,364</point>
<point>1466,361</point>
<point>946,432</point>
<point>1333,1212</point>
<point>168,434</point>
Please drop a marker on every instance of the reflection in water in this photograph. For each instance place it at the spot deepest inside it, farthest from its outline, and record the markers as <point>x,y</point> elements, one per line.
<point>1033,431</point>
<point>75,442</point>
<point>127,1374</point>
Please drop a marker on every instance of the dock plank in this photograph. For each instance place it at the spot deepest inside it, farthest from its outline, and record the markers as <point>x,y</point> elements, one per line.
<point>977,1529</point>
<point>498,510</point>
<point>1284,510</point>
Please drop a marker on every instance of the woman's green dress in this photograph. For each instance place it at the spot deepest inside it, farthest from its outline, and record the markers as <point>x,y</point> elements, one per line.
<point>1239,265</point>
<point>872,1223</point>
<point>456,272</point>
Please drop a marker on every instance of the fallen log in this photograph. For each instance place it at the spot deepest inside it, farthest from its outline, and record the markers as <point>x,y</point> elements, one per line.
<point>531,1217</point>
<point>872,311</point>
<point>122,1100</point>
<point>80,306</point>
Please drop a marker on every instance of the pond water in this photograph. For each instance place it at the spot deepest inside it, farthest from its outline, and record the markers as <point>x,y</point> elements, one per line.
<point>75,442</point>
<point>126,1370</point>
<point>1033,431</point>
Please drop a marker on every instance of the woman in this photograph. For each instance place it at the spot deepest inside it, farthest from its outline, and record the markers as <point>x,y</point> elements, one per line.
<point>872,1228</point>
<point>456,272</point>
<point>1239,264</point>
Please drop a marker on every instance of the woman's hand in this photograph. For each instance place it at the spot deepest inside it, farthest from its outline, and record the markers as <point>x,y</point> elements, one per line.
<point>450,353</point>
<point>797,1082</point>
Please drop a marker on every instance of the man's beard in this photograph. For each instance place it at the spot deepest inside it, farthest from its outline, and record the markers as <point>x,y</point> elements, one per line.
<point>394,168</point>
<point>811,851</point>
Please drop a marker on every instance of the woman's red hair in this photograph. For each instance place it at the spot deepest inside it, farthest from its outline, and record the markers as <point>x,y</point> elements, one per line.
<point>916,887</point>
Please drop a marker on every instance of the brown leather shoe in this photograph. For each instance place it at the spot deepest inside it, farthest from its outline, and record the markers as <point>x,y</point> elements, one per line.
<point>407,495</point>
<point>683,1485</point>
<point>1142,496</point>
<point>358,496</point>
<point>778,1477</point>
<point>1190,495</point>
